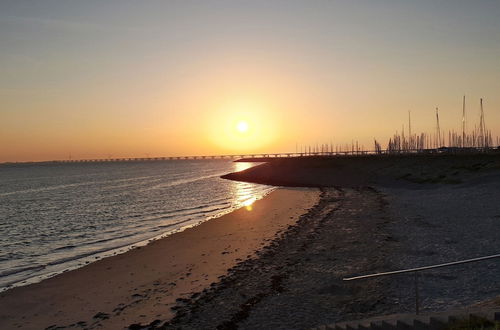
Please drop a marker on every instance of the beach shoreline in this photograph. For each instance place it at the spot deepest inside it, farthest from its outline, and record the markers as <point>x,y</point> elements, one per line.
<point>60,217</point>
<point>296,282</point>
<point>76,263</point>
<point>144,283</point>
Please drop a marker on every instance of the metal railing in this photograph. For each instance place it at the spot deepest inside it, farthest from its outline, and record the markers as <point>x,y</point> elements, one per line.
<point>419,269</point>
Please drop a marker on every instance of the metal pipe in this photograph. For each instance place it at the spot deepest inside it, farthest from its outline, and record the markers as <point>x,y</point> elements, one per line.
<point>417,298</point>
<point>418,269</point>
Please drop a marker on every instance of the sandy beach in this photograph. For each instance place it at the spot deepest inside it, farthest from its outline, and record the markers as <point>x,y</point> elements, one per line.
<point>142,285</point>
<point>296,283</point>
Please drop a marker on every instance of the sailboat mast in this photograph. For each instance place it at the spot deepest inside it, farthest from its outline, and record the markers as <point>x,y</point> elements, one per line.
<point>410,138</point>
<point>463,122</point>
<point>482,129</point>
<point>438,129</point>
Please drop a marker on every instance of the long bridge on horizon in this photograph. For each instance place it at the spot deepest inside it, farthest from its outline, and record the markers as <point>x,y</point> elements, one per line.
<point>231,156</point>
<point>264,156</point>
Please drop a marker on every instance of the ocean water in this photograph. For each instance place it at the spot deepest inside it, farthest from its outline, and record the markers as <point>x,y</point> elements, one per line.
<point>57,217</point>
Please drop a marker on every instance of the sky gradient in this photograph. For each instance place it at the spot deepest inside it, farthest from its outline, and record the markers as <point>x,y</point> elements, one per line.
<point>99,79</point>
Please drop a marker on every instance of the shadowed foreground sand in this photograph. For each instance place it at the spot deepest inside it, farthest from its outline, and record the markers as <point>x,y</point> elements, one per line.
<point>143,284</point>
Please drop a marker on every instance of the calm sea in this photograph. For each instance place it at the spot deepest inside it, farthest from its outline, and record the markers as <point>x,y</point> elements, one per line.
<point>56,217</point>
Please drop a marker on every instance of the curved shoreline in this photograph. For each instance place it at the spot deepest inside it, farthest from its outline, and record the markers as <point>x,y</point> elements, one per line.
<point>58,267</point>
<point>295,282</point>
<point>145,282</point>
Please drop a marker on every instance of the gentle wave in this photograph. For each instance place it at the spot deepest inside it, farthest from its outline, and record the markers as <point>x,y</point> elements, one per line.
<point>17,271</point>
<point>71,185</point>
<point>46,229</point>
<point>184,181</point>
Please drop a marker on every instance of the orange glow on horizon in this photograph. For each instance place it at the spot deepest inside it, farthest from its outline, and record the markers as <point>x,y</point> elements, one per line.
<point>170,82</point>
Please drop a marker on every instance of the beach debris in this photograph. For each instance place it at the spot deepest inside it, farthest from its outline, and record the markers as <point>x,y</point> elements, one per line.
<point>101,316</point>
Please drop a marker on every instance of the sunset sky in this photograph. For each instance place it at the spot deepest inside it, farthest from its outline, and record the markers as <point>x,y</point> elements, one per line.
<point>99,79</point>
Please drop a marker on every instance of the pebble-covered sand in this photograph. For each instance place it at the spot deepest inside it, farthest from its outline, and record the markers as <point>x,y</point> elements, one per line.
<point>443,223</point>
<point>296,282</point>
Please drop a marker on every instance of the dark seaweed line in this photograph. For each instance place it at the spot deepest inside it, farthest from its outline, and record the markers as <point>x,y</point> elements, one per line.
<point>316,214</point>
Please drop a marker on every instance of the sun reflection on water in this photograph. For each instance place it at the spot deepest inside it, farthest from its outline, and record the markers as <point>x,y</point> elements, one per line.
<point>238,166</point>
<point>248,203</point>
<point>244,191</point>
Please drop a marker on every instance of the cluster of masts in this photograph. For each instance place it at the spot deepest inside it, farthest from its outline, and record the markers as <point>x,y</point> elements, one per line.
<point>330,149</point>
<point>478,138</point>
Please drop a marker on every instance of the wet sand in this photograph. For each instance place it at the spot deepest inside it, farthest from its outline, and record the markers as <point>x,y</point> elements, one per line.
<point>142,285</point>
<point>296,282</point>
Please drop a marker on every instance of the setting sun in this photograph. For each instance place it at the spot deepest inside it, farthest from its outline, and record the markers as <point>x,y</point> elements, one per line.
<point>242,126</point>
